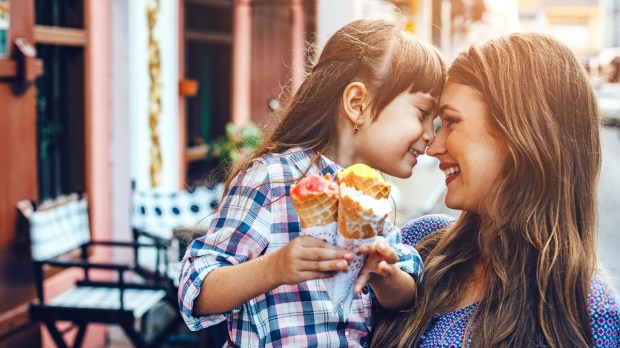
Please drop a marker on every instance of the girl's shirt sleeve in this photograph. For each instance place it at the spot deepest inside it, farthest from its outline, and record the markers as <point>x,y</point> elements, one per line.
<point>238,232</point>
<point>408,258</point>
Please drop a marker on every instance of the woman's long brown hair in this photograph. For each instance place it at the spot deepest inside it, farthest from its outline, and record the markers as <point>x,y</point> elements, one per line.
<point>378,53</point>
<point>537,245</point>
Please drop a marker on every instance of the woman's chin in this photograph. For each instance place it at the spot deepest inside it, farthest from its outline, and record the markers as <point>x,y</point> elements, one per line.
<point>452,204</point>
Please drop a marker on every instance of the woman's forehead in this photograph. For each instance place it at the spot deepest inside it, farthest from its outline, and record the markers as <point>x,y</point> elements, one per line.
<point>456,92</point>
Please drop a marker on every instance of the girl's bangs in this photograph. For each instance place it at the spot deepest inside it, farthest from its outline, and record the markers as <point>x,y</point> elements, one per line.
<point>414,67</point>
<point>425,70</point>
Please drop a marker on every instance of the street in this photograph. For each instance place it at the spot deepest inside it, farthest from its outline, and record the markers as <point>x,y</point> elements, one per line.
<point>423,194</point>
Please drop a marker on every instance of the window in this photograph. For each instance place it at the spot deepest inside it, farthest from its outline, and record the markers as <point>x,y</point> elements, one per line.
<point>61,41</point>
<point>208,60</point>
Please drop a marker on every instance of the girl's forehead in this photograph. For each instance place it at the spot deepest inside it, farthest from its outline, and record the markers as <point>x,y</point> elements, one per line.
<point>426,98</point>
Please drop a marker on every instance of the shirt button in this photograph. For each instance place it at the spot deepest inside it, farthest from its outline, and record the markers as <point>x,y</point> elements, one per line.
<point>365,290</point>
<point>346,333</point>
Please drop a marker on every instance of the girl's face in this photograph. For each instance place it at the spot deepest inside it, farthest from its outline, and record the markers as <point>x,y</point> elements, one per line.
<point>470,155</point>
<point>401,132</point>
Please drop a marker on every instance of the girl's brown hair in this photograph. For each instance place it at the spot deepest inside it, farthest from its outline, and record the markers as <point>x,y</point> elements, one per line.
<point>538,243</point>
<point>376,52</point>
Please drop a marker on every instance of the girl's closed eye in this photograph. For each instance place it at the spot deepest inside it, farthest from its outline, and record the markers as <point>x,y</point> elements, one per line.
<point>424,112</point>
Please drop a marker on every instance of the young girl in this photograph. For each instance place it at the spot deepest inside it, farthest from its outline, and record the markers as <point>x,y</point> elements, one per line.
<point>371,99</point>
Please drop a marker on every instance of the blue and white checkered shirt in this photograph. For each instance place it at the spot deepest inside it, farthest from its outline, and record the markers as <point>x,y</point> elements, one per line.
<point>256,218</point>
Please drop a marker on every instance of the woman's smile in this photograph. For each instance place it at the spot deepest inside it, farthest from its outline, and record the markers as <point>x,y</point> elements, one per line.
<point>451,170</point>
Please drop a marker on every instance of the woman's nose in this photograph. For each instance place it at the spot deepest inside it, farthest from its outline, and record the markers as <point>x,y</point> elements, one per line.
<point>437,146</point>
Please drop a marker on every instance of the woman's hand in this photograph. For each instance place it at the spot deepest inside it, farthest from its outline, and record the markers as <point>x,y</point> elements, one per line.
<point>306,258</point>
<point>380,264</point>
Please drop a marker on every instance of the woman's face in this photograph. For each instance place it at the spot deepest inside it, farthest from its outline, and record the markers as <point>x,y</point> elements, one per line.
<point>470,154</point>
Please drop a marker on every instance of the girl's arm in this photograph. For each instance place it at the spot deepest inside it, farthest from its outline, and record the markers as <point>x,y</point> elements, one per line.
<point>393,287</point>
<point>304,258</point>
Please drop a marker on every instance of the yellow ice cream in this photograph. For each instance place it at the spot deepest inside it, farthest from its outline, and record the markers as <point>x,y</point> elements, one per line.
<point>366,179</point>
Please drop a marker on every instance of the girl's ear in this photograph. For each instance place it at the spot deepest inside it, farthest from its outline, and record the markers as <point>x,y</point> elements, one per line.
<point>354,99</point>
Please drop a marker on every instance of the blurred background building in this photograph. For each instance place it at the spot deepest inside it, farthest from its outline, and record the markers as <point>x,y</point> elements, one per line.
<point>110,96</point>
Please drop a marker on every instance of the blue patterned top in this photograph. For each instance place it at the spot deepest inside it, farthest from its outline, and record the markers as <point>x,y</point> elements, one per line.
<point>448,329</point>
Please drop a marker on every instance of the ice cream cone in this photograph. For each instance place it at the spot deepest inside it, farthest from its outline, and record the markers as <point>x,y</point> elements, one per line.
<point>357,222</point>
<point>360,219</point>
<point>316,209</point>
<point>315,199</point>
<point>365,179</point>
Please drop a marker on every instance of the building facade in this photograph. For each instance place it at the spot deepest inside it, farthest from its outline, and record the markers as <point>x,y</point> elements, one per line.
<point>122,94</point>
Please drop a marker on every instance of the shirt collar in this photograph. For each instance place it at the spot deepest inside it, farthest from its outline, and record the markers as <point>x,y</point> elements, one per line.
<point>302,158</point>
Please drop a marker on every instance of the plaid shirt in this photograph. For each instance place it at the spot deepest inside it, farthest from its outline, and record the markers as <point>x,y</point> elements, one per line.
<point>256,218</point>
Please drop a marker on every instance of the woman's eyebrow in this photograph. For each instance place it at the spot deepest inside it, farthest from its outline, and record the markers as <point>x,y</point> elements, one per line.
<point>447,107</point>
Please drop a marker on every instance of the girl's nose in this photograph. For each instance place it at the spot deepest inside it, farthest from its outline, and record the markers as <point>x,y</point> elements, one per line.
<point>429,133</point>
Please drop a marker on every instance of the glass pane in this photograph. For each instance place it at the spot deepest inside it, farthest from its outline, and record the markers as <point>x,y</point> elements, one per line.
<point>60,121</point>
<point>4,27</point>
<point>209,110</point>
<point>205,18</point>
<point>60,13</point>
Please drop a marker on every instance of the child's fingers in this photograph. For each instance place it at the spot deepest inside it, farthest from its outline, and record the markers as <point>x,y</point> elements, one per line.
<point>387,253</point>
<point>317,248</point>
<point>361,281</point>
<point>309,275</point>
<point>323,266</point>
<point>384,269</point>
<point>318,254</point>
<point>367,249</point>
<point>308,241</point>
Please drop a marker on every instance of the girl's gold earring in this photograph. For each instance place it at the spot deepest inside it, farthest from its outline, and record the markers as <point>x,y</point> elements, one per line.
<point>356,127</point>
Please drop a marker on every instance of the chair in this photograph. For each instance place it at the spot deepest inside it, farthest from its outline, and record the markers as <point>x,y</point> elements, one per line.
<point>173,219</point>
<point>158,217</point>
<point>139,308</point>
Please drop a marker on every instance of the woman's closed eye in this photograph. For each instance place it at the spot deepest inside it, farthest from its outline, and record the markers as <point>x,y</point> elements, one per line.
<point>449,120</point>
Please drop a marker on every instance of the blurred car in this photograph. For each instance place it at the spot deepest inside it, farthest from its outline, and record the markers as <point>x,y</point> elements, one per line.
<point>608,95</point>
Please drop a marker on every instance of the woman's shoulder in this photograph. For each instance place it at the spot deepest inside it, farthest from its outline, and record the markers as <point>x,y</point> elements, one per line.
<point>415,230</point>
<point>604,311</point>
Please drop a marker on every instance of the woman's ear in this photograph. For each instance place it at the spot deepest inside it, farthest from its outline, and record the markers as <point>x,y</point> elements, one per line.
<point>354,100</point>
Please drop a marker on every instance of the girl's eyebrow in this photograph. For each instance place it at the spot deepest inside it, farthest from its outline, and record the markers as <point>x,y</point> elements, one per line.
<point>430,101</point>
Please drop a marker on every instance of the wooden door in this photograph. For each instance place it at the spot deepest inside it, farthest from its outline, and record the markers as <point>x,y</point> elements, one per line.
<point>18,173</point>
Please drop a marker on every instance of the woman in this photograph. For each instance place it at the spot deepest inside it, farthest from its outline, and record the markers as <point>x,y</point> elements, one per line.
<point>520,148</point>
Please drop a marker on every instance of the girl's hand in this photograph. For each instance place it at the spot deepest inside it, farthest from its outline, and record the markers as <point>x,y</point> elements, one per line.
<point>380,264</point>
<point>306,258</point>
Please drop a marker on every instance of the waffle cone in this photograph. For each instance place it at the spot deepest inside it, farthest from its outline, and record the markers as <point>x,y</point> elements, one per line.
<point>355,222</point>
<point>376,188</point>
<point>316,209</point>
